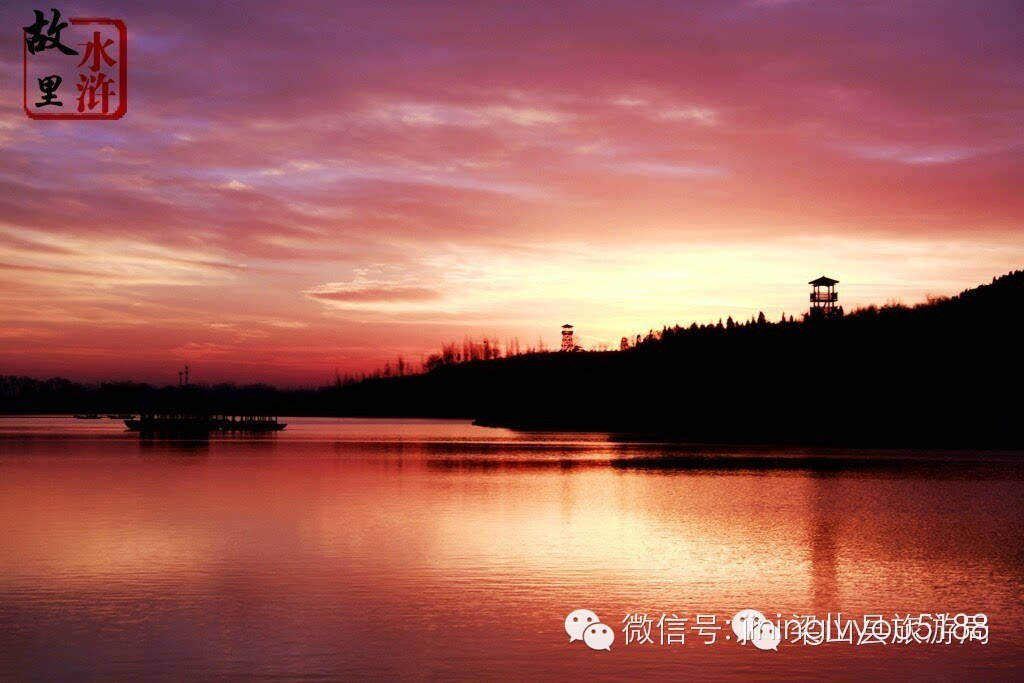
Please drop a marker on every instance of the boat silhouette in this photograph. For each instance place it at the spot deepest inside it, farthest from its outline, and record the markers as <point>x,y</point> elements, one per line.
<point>202,424</point>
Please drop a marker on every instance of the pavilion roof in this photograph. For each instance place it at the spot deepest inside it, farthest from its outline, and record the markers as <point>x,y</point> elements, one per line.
<point>824,282</point>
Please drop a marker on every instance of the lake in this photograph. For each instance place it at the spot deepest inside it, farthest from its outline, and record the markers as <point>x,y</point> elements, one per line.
<point>343,548</point>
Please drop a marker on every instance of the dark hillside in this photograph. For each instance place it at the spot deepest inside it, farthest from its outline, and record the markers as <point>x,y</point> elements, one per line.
<point>947,372</point>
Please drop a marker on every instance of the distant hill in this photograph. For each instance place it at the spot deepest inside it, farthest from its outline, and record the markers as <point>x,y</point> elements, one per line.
<point>27,396</point>
<point>946,373</point>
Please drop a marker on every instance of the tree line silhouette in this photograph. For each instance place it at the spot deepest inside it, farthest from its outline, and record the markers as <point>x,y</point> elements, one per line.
<point>945,372</point>
<point>28,396</point>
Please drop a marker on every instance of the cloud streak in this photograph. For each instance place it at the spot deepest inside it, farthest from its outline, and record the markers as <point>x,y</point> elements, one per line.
<point>366,293</point>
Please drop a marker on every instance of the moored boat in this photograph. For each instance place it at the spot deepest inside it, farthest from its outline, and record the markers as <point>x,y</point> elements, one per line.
<point>171,424</point>
<point>202,424</point>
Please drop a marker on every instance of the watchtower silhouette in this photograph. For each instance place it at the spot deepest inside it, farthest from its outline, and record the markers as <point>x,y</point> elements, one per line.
<point>824,297</point>
<point>568,344</point>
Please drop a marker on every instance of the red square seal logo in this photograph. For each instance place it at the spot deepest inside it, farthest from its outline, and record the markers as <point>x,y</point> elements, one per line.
<point>75,68</point>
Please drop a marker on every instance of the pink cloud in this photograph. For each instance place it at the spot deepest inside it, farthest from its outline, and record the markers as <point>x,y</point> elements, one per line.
<point>373,293</point>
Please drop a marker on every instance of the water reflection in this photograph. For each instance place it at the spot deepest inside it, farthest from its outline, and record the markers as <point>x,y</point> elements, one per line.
<point>393,549</point>
<point>824,521</point>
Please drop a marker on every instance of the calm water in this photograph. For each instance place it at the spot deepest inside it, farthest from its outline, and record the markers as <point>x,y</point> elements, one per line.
<point>404,548</point>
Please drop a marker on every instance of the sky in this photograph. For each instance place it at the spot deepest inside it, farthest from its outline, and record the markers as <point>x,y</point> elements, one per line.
<point>319,187</point>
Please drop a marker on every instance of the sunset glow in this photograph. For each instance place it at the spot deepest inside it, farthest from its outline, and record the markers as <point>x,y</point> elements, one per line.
<point>300,190</point>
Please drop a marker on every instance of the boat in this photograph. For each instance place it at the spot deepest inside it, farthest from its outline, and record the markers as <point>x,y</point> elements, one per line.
<point>201,424</point>
<point>90,416</point>
<point>171,424</point>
